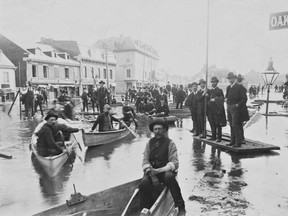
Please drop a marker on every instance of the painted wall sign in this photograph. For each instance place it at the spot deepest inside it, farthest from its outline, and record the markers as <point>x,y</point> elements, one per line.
<point>278,20</point>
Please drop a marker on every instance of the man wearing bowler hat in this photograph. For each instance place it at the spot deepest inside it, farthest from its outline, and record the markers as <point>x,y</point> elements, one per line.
<point>200,103</point>
<point>216,110</point>
<point>191,103</point>
<point>160,164</point>
<point>102,93</point>
<point>236,99</point>
<point>48,142</point>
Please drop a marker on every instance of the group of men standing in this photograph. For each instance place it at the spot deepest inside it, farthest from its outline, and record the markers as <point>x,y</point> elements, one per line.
<point>99,96</point>
<point>237,112</point>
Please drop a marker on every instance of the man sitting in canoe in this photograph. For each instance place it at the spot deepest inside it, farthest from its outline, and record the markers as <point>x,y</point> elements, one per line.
<point>105,120</point>
<point>162,110</point>
<point>49,142</point>
<point>160,164</point>
<point>128,113</point>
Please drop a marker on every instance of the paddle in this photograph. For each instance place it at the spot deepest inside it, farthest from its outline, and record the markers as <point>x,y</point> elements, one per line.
<point>132,132</point>
<point>131,199</point>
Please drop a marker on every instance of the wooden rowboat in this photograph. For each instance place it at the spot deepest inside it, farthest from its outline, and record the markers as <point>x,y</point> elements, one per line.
<point>105,137</point>
<point>53,164</point>
<point>122,200</point>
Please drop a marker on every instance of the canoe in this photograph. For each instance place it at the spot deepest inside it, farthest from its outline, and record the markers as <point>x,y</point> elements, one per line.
<point>167,119</point>
<point>105,137</point>
<point>53,164</point>
<point>120,200</point>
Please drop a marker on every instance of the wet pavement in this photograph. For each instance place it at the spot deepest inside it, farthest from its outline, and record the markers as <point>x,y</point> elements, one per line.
<point>213,182</point>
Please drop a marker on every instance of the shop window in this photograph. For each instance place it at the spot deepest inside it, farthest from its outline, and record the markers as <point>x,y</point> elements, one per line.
<point>45,71</point>
<point>111,74</point>
<point>128,73</point>
<point>99,73</point>
<point>34,70</point>
<point>66,73</point>
<point>104,74</point>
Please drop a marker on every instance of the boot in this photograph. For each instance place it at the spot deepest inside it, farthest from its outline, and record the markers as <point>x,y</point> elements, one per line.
<point>219,134</point>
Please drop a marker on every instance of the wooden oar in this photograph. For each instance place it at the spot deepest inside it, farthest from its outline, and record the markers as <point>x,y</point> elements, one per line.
<point>131,131</point>
<point>5,156</point>
<point>131,199</point>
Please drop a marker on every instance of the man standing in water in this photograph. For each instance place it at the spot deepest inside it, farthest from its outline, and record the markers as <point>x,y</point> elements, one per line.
<point>236,99</point>
<point>160,164</point>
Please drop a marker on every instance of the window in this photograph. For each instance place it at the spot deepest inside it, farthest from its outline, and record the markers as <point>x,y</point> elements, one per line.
<point>99,73</point>
<point>92,69</point>
<point>104,74</point>
<point>56,72</point>
<point>128,73</point>
<point>66,73</point>
<point>45,71</point>
<point>6,77</point>
<point>85,71</point>
<point>111,74</point>
<point>34,70</point>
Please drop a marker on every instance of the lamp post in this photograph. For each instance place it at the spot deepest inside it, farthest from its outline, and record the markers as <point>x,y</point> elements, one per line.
<point>269,76</point>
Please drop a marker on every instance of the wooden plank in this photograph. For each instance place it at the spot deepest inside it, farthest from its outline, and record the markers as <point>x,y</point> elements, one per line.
<point>251,146</point>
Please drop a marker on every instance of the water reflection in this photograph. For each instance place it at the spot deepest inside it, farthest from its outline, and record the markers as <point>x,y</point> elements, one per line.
<point>52,187</point>
<point>198,155</point>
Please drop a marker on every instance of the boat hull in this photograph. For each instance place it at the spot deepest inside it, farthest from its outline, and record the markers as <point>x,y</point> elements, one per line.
<point>53,164</point>
<point>103,138</point>
<point>120,200</point>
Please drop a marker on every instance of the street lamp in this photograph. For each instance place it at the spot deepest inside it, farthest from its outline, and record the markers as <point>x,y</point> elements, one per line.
<point>269,76</point>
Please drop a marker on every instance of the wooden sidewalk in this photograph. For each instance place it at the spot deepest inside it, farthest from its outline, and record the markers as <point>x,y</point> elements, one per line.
<point>251,146</point>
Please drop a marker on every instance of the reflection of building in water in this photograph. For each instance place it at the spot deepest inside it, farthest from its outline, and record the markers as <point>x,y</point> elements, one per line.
<point>52,186</point>
<point>198,155</point>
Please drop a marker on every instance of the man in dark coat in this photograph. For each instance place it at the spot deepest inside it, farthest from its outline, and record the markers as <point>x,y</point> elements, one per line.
<point>215,110</point>
<point>192,105</point>
<point>168,88</point>
<point>200,104</point>
<point>236,99</point>
<point>102,93</point>
<point>128,114</point>
<point>163,109</point>
<point>105,120</point>
<point>160,163</point>
<point>84,98</point>
<point>47,143</point>
<point>94,98</point>
<point>180,97</point>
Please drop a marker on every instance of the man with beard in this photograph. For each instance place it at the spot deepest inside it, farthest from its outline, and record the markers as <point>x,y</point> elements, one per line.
<point>160,164</point>
<point>215,110</point>
<point>105,120</point>
<point>50,141</point>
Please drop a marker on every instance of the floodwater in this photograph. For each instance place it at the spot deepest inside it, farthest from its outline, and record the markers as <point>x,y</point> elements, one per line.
<point>213,182</point>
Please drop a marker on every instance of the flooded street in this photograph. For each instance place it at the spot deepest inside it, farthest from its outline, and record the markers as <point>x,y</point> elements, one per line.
<point>213,182</point>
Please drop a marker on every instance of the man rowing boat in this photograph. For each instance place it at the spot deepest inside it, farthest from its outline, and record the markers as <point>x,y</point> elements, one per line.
<point>105,120</point>
<point>50,139</point>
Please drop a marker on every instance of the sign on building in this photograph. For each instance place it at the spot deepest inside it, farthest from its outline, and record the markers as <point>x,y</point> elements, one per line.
<point>278,20</point>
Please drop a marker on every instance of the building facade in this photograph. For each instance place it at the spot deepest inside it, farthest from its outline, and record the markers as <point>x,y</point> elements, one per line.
<point>95,64</point>
<point>136,61</point>
<point>7,78</point>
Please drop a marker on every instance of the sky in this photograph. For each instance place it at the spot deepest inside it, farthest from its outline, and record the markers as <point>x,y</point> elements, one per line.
<point>239,35</point>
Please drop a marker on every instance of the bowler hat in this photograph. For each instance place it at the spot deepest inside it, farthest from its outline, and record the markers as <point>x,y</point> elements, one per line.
<point>51,114</point>
<point>231,75</point>
<point>158,122</point>
<point>214,79</point>
<point>107,106</point>
<point>193,83</point>
<point>201,81</point>
<point>102,82</point>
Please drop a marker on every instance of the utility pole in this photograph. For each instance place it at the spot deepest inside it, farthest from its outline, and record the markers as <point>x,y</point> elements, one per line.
<point>107,73</point>
<point>206,75</point>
